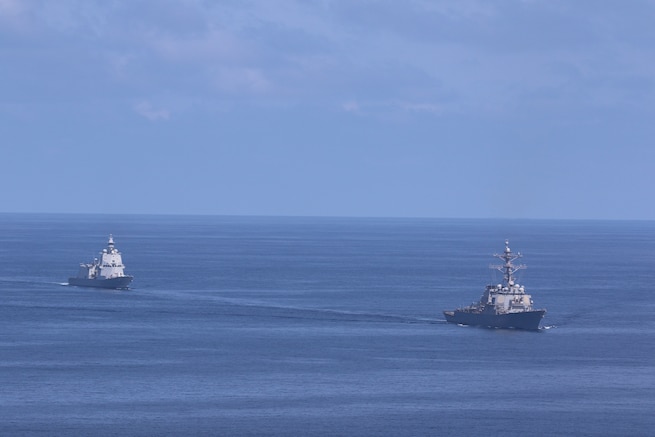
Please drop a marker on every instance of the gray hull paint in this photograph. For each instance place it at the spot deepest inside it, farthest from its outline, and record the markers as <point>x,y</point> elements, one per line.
<point>122,282</point>
<point>528,320</point>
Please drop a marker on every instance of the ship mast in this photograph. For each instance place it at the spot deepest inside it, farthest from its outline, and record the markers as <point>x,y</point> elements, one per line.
<point>508,269</point>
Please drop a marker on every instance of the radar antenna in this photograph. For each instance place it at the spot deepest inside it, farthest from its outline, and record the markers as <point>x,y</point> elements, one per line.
<point>508,269</point>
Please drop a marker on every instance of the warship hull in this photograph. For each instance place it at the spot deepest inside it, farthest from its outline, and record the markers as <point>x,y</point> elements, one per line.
<point>119,283</point>
<point>528,320</point>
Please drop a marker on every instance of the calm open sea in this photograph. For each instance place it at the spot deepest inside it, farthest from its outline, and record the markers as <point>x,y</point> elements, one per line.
<point>322,327</point>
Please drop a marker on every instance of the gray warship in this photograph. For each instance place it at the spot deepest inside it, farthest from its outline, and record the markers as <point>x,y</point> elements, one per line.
<point>505,305</point>
<point>107,272</point>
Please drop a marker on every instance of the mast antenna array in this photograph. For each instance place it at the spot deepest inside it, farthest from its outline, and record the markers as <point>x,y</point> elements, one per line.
<point>508,269</point>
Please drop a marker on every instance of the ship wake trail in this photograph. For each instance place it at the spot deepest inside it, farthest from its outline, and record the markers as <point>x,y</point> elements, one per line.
<point>29,282</point>
<point>261,309</point>
<point>323,314</point>
<point>357,316</point>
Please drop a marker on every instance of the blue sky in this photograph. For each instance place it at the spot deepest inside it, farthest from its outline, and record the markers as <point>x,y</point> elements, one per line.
<point>413,108</point>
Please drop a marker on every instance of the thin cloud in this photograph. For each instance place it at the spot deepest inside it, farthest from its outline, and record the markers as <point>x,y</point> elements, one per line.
<point>391,107</point>
<point>145,109</point>
<point>210,47</point>
<point>238,80</point>
<point>10,7</point>
<point>469,56</point>
<point>350,106</point>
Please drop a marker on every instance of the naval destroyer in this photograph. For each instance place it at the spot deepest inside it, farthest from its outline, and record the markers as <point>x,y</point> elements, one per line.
<point>505,305</point>
<point>106,272</point>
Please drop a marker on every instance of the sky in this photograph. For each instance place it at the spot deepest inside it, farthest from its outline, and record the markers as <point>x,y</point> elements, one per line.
<point>539,109</point>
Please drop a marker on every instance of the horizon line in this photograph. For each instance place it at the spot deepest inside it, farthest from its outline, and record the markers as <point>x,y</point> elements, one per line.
<point>363,217</point>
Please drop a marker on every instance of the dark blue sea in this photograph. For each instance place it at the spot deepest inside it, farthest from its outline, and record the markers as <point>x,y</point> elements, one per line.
<point>262,326</point>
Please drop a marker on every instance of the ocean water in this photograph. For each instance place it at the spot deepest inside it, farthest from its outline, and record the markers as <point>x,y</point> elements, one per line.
<point>323,326</point>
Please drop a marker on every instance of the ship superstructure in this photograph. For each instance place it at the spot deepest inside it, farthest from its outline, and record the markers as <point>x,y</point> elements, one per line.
<point>504,305</point>
<point>106,272</point>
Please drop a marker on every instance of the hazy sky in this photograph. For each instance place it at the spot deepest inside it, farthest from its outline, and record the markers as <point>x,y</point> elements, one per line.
<point>463,108</point>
